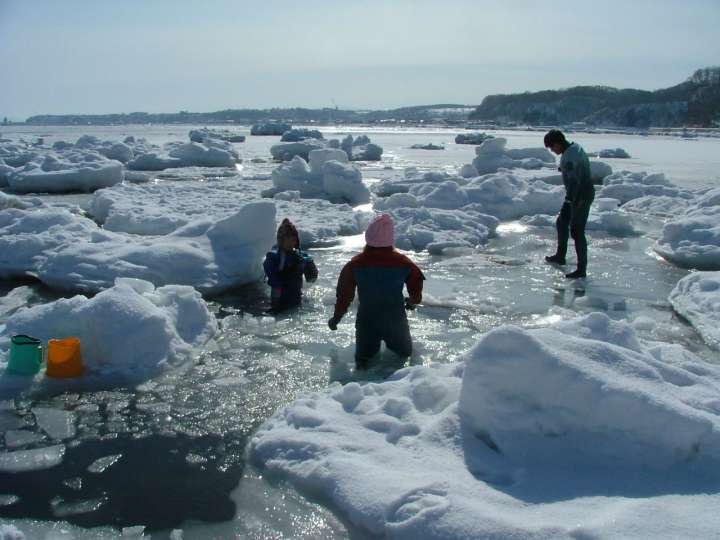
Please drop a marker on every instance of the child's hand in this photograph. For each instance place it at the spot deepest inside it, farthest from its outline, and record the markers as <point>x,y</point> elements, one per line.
<point>332,323</point>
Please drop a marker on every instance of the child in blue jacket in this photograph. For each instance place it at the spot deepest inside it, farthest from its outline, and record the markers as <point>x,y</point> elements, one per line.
<point>285,266</point>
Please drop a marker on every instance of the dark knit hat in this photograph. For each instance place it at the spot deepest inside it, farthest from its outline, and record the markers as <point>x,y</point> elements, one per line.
<point>286,229</point>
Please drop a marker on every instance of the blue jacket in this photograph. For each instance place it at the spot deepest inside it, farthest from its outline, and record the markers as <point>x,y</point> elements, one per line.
<point>284,272</point>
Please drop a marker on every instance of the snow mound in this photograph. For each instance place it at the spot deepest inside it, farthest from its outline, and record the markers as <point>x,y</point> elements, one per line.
<point>659,206</point>
<point>627,438</point>
<point>71,171</point>
<point>544,394</point>
<point>158,209</point>
<point>210,255</point>
<point>302,144</point>
<point>328,176</point>
<point>270,129</point>
<point>131,329</point>
<point>697,298</point>
<point>611,153</point>
<point>472,138</point>
<point>693,240</point>
<point>208,153</point>
<point>361,149</point>
<point>438,230</point>
<point>28,235</point>
<point>492,155</point>
<point>626,186</point>
<point>300,134</point>
<point>200,135</point>
<point>290,150</point>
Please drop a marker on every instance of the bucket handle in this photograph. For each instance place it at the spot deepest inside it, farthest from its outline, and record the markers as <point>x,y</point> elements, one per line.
<point>30,340</point>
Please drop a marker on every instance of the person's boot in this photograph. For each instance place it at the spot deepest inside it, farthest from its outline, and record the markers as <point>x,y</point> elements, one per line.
<point>555,259</point>
<point>577,274</point>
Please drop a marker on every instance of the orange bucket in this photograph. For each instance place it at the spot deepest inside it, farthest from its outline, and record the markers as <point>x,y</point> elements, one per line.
<point>63,358</point>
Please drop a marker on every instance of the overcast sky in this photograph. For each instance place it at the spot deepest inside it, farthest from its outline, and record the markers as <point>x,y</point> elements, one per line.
<point>97,56</point>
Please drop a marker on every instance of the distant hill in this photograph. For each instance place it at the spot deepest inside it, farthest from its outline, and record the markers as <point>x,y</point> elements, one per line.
<point>694,102</point>
<point>441,113</point>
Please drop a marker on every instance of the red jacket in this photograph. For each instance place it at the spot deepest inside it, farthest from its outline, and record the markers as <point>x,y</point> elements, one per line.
<point>380,275</point>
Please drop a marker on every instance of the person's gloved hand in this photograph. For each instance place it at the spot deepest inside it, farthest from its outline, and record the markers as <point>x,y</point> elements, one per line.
<point>332,323</point>
<point>409,305</point>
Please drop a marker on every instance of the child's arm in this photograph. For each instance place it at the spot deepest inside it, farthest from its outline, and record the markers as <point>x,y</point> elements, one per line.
<point>272,273</point>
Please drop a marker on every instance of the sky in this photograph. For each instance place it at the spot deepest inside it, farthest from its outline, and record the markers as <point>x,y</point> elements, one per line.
<point>102,56</point>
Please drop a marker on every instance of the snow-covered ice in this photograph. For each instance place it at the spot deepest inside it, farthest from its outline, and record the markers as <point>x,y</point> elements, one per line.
<point>327,176</point>
<point>693,239</point>
<point>58,425</point>
<point>149,329</point>
<point>492,155</point>
<point>27,236</point>
<point>529,437</point>
<point>472,138</point>
<point>270,128</point>
<point>611,153</point>
<point>31,460</point>
<point>697,298</point>
<point>200,135</point>
<point>156,209</point>
<point>210,255</point>
<point>74,171</point>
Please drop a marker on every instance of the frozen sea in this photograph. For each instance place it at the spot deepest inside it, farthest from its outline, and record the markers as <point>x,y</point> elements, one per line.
<point>181,437</point>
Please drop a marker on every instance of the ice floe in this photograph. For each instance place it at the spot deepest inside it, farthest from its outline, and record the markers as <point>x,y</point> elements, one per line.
<point>573,431</point>
<point>130,330</point>
<point>697,298</point>
<point>692,240</point>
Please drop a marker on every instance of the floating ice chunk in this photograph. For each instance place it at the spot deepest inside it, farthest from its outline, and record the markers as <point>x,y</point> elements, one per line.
<point>697,298</point>
<point>472,138</point>
<point>147,330</point>
<point>270,128</point>
<point>458,451</point>
<point>57,424</point>
<point>361,149</point>
<point>599,170</point>
<point>15,438</point>
<point>153,161</point>
<point>660,206</point>
<point>492,155</point>
<point>438,230</point>
<point>26,236</point>
<point>300,134</point>
<point>468,171</point>
<point>31,460</point>
<point>7,500</point>
<point>102,464</point>
<point>200,135</point>
<point>202,155</point>
<point>10,532</point>
<point>318,158</point>
<point>287,151</point>
<point>343,183</point>
<point>693,240</point>
<point>118,151</point>
<point>576,383</point>
<point>206,254</point>
<point>611,153</point>
<point>76,171</point>
<point>429,146</point>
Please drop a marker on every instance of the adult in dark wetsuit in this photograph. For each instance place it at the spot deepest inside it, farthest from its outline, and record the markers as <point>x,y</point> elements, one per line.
<point>380,274</point>
<point>285,266</point>
<point>579,195</point>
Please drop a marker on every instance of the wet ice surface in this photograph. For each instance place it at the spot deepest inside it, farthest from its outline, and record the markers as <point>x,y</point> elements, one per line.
<point>170,453</point>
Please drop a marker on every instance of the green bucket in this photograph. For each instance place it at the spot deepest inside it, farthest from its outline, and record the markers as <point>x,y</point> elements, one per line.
<point>25,355</point>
